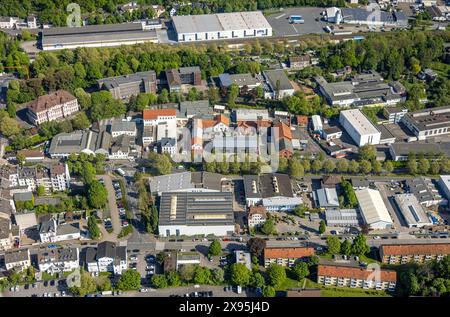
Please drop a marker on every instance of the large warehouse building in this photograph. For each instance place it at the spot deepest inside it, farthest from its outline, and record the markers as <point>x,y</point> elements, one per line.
<point>220,26</point>
<point>428,123</point>
<point>96,36</point>
<point>373,209</point>
<point>195,214</point>
<point>360,129</point>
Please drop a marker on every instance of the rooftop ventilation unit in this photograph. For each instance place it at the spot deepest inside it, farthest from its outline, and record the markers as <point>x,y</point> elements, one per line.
<point>173,207</point>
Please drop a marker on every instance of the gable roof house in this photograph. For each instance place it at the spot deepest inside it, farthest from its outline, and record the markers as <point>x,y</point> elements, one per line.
<point>107,257</point>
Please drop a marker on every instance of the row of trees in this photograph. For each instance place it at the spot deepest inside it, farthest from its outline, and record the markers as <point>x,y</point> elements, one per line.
<point>358,247</point>
<point>429,279</point>
<point>147,206</point>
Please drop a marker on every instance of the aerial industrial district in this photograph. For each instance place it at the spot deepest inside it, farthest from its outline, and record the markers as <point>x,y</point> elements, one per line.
<point>254,163</point>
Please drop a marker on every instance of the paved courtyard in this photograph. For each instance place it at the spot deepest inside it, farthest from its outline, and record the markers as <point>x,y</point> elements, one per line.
<point>281,26</point>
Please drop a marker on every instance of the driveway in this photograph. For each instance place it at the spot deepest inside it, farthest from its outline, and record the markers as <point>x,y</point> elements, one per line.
<point>113,210</point>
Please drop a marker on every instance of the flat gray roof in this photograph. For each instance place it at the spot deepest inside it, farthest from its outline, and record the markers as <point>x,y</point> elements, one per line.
<point>112,82</point>
<point>96,34</point>
<point>196,209</point>
<point>220,22</point>
<point>359,121</point>
<point>278,75</point>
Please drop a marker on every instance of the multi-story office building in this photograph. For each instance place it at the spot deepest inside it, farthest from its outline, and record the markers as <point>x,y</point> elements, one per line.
<point>123,87</point>
<point>428,122</point>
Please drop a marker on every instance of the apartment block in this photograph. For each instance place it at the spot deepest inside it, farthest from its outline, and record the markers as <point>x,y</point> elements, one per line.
<point>418,253</point>
<point>286,256</point>
<point>51,107</point>
<point>354,276</point>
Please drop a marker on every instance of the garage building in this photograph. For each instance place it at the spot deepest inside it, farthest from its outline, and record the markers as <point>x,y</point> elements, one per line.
<point>221,26</point>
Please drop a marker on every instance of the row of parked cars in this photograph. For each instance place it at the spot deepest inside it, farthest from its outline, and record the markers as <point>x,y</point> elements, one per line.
<point>197,294</point>
<point>120,206</point>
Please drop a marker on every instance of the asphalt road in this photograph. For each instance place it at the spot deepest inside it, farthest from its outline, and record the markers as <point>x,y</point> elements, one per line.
<point>113,211</point>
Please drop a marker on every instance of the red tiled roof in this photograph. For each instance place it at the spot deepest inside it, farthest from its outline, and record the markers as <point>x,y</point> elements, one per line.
<point>254,210</point>
<point>354,272</point>
<point>416,249</point>
<point>151,114</point>
<point>287,253</point>
<point>50,100</point>
<point>284,131</point>
<point>302,120</point>
<point>222,118</point>
<point>57,169</point>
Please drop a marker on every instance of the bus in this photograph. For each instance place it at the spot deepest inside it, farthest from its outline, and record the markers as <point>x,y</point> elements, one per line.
<point>296,19</point>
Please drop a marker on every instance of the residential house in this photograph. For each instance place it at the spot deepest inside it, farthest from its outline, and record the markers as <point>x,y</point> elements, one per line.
<point>51,231</point>
<point>299,62</point>
<point>19,260</point>
<point>279,84</point>
<point>9,233</point>
<point>58,260</point>
<point>257,216</point>
<point>107,257</point>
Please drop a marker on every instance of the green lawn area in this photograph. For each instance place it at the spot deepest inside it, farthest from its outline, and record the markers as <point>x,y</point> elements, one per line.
<point>48,277</point>
<point>441,68</point>
<point>351,292</point>
<point>290,283</point>
<point>362,258</point>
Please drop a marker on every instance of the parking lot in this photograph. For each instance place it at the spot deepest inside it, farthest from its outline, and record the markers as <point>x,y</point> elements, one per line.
<point>281,26</point>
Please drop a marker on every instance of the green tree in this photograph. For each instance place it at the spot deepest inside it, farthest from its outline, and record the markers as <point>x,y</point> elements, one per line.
<point>88,173</point>
<point>233,93</point>
<point>346,247</point>
<point>365,166</point>
<point>239,274</point>
<point>322,227</point>
<point>268,227</point>
<point>129,280</point>
<point>173,279</point>
<point>342,165</point>
<point>159,281</point>
<point>87,284</point>
<point>8,126</point>
<point>97,195</point>
<point>367,152</point>
<point>187,273</point>
<point>257,280</point>
<point>276,275</point>
<point>218,275</point>
<point>300,270</point>
<point>202,275</point>
<point>94,231</point>
<point>268,291</point>
<point>333,244</point>
<point>353,167</point>
<point>81,121</point>
<point>256,246</point>
<point>411,165</point>
<point>20,158</point>
<point>329,166</point>
<point>215,248</point>
<point>423,166</point>
<point>376,167</point>
<point>360,246</point>
<point>388,167</point>
<point>317,165</point>
<point>40,190</point>
<point>296,169</point>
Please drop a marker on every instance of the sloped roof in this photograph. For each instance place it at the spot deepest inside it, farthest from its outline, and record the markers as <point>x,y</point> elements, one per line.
<point>287,253</point>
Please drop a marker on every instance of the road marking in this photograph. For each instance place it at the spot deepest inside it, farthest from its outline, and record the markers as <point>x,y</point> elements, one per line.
<point>294,28</point>
<point>280,16</point>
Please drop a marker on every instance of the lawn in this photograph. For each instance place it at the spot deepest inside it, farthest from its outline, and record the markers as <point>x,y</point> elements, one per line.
<point>441,68</point>
<point>289,284</point>
<point>351,292</point>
